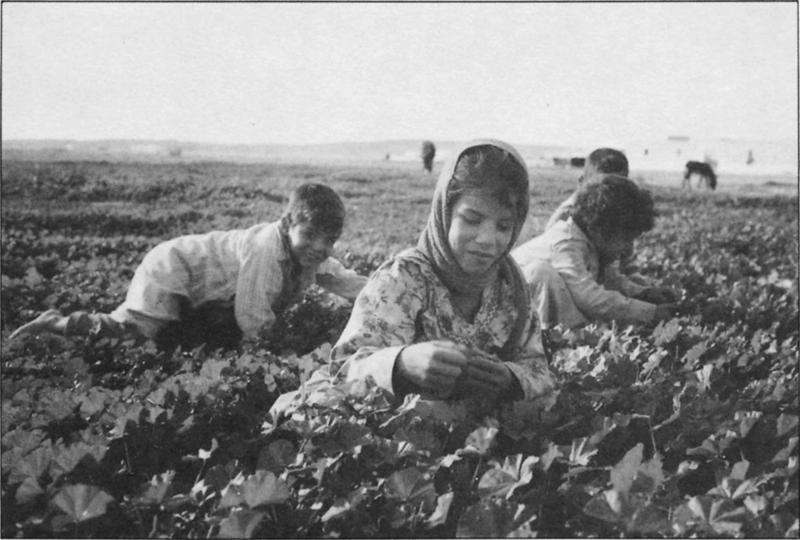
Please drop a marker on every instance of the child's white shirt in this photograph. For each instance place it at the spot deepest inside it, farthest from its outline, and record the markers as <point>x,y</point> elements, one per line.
<point>572,254</point>
<point>252,265</point>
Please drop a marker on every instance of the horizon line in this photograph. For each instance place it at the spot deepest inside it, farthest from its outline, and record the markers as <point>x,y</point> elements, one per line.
<point>670,138</point>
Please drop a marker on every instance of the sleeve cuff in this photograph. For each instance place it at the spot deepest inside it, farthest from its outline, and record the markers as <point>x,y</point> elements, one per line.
<point>515,391</point>
<point>379,365</point>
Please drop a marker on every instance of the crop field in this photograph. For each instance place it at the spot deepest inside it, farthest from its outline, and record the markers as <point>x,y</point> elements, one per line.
<point>688,428</point>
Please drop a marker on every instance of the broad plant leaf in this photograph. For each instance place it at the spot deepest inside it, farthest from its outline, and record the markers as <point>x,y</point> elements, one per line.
<point>625,471</point>
<point>276,456</point>
<point>33,465</point>
<point>410,485</point>
<point>81,502</point>
<point>28,491</point>
<point>666,331</point>
<point>581,452</point>
<point>440,513</point>
<point>503,479</point>
<point>158,488</point>
<point>240,524</point>
<point>66,459</point>
<point>717,516</point>
<point>345,505</point>
<point>264,488</point>
<point>786,423</point>
<point>493,518</point>
<point>600,507</point>
<point>481,440</point>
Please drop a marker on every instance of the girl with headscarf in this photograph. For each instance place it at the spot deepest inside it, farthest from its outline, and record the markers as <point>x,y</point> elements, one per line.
<point>451,318</point>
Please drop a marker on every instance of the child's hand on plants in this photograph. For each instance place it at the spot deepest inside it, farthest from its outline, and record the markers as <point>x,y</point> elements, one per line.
<point>658,295</point>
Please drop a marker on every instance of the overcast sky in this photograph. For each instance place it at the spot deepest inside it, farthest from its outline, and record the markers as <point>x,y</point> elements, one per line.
<point>564,73</point>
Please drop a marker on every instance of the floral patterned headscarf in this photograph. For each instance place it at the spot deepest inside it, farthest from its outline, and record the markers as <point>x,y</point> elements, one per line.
<point>434,245</point>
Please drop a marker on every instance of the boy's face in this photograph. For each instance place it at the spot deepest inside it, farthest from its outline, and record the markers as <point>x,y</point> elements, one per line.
<point>612,246</point>
<point>309,244</point>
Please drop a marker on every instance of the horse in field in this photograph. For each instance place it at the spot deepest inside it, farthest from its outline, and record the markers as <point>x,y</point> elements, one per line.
<point>703,171</point>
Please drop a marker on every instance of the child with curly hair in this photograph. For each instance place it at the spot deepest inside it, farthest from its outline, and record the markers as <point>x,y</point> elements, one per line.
<point>599,162</point>
<point>571,267</point>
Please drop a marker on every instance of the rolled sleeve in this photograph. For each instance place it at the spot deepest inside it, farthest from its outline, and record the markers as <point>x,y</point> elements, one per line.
<point>591,297</point>
<point>532,372</point>
<point>615,280</point>
<point>381,324</point>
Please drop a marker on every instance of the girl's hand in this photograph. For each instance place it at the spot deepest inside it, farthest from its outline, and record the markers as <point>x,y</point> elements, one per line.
<point>433,366</point>
<point>485,376</point>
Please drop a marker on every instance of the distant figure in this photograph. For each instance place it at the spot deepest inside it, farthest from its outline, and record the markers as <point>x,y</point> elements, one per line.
<point>428,153</point>
<point>646,151</point>
<point>704,171</point>
<point>750,158</point>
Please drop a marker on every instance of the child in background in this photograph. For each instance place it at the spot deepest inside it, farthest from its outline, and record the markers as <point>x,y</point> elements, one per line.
<point>600,161</point>
<point>224,286</point>
<point>570,266</point>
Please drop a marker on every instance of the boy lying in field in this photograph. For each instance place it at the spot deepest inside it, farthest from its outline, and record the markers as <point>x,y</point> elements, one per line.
<point>224,286</point>
<point>570,267</point>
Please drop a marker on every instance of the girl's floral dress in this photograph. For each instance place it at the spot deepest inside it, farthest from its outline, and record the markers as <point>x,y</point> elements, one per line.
<point>404,302</point>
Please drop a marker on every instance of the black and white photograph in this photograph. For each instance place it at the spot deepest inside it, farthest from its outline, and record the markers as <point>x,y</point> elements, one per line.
<point>399,269</point>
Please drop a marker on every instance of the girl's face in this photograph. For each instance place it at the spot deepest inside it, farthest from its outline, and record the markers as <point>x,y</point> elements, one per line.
<point>309,245</point>
<point>480,232</point>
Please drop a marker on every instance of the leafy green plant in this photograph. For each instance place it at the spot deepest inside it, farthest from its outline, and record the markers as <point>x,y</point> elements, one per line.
<point>684,428</point>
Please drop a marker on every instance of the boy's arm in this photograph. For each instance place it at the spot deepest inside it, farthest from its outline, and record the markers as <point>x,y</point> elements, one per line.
<point>334,277</point>
<point>628,267</point>
<point>614,279</point>
<point>569,258</point>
